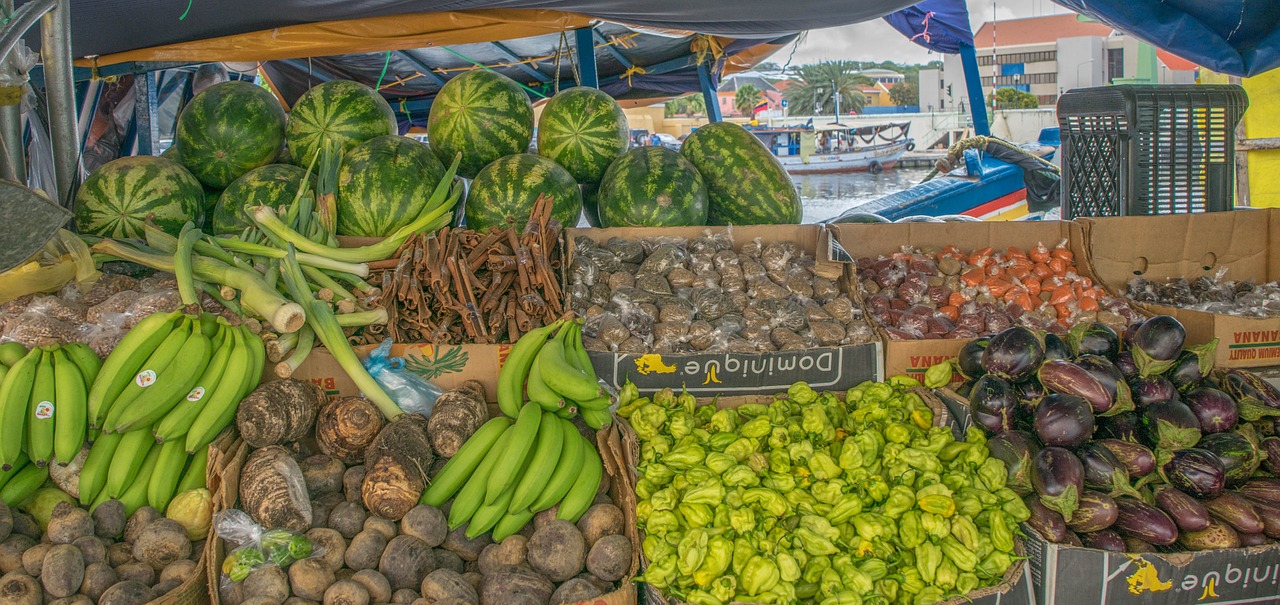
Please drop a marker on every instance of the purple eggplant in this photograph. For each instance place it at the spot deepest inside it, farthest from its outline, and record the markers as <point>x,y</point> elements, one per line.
<point>1261,489</point>
<point>1029,392</point>
<point>1269,512</point>
<point>1015,449</point>
<point>993,403</point>
<point>970,358</point>
<point>1247,540</point>
<point>1058,478</point>
<point>1094,339</point>
<point>1140,520</point>
<point>1216,536</point>
<point>1105,539</point>
<point>1170,426</point>
<point>1055,347</point>
<point>1197,472</point>
<point>1152,389</point>
<point>1071,539</point>
<point>1135,457</point>
<point>1243,383</point>
<point>1186,512</point>
<point>1067,378</point>
<point>1271,455</point>
<point>1135,545</point>
<point>1125,426</point>
<point>1215,409</point>
<point>1096,511</point>
<point>1013,354</point>
<point>1103,471</point>
<point>1111,379</point>
<point>1063,420</point>
<point>1046,522</point>
<point>1124,363</point>
<point>1186,372</point>
<point>1240,458</point>
<point>1235,510</point>
<point>1157,344</point>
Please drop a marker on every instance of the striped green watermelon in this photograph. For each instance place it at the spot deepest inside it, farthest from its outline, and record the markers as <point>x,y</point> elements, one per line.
<point>746,185</point>
<point>652,187</point>
<point>273,185</point>
<point>590,207</point>
<point>117,198</point>
<point>483,115</point>
<point>584,130</point>
<point>211,194</point>
<point>383,184</point>
<point>504,192</point>
<point>227,130</point>
<point>343,111</point>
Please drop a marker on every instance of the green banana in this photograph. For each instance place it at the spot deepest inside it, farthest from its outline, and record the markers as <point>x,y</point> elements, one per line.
<point>515,451</point>
<point>488,515</point>
<point>40,408</point>
<point>135,497</point>
<point>471,496</point>
<point>146,375</point>
<point>542,464</point>
<point>85,359</point>
<point>511,524</point>
<point>70,412</point>
<point>5,476</point>
<point>4,370</point>
<point>540,393</point>
<point>195,476</point>
<point>583,492</point>
<point>562,377</point>
<point>164,478</point>
<point>567,412</point>
<point>178,420</point>
<point>599,403</point>
<point>577,353</point>
<point>220,406</point>
<point>596,419</point>
<point>171,386</point>
<point>464,462</point>
<point>126,359</point>
<point>24,485</point>
<point>130,454</point>
<point>572,454</point>
<point>93,475</point>
<point>258,349</point>
<point>11,352</point>
<point>102,497</point>
<point>15,397</point>
<point>515,371</point>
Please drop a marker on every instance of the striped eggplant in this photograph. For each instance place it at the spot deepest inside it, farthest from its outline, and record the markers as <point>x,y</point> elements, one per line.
<point>1240,458</point>
<point>1237,511</point>
<point>1134,545</point>
<point>1063,420</point>
<point>1103,471</point>
<point>1111,379</point>
<point>1067,378</point>
<point>1170,426</point>
<point>1189,370</point>
<point>1215,409</point>
<point>1096,511</point>
<point>993,403</point>
<point>1016,449</point>
<point>1261,489</point>
<point>1125,426</point>
<point>1157,344</point>
<point>1124,363</point>
<point>1140,520</point>
<point>1071,539</point>
<point>1187,512</point>
<point>1045,521</point>
<point>1197,472</point>
<point>1094,339</point>
<point>1135,457</point>
<point>1216,536</point>
<point>1247,540</point>
<point>1013,354</point>
<point>1152,389</point>
<point>1269,512</point>
<point>1030,393</point>
<point>1271,455</point>
<point>1105,539</point>
<point>1055,347</point>
<point>1058,478</point>
<point>970,358</point>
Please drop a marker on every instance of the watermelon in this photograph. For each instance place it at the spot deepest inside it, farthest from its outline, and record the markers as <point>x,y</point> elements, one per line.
<point>590,208</point>
<point>746,185</point>
<point>227,130</point>
<point>503,193</point>
<point>117,198</point>
<point>346,112</point>
<point>274,185</point>
<point>483,115</point>
<point>584,130</point>
<point>211,194</point>
<point>652,187</point>
<point>383,184</point>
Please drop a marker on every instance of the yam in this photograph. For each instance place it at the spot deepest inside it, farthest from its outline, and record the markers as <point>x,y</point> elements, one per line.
<point>268,581</point>
<point>404,596</point>
<point>68,522</point>
<point>164,587</point>
<point>610,558</point>
<point>467,548</point>
<point>92,549</point>
<point>351,482</point>
<point>406,561</point>
<point>456,416</point>
<point>474,579</point>
<point>109,519</point>
<point>98,577</point>
<point>309,578</point>
<point>161,543</point>
<point>24,524</point>
<point>397,463</point>
<point>345,428</point>
<point>404,438</point>
<point>128,592</point>
<point>180,571</point>
<point>330,544</point>
<point>33,559</point>
<point>444,584</point>
<point>256,600</point>
<point>557,551</point>
<point>448,560</point>
<point>298,601</point>
<point>6,522</point>
<point>426,523</point>
<point>599,521</point>
<point>323,474</point>
<point>77,599</point>
<point>11,551</point>
<point>346,592</point>
<point>119,553</point>
<point>510,553</point>
<point>137,572</point>
<point>17,588</point>
<point>365,550</point>
<point>386,527</point>
<point>375,584</point>
<point>139,521</point>
<point>348,518</point>
<point>515,586</point>
<point>278,412</point>
<point>574,590</point>
<point>273,491</point>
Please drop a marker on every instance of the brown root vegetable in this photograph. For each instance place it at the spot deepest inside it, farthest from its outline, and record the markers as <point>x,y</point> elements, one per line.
<point>68,522</point>
<point>351,481</point>
<point>179,570</point>
<point>543,518</point>
<point>348,518</point>
<point>448,560</point>
<point>601,585</point>
<point>599,521</point>
<point>375,584</point>
<point>386,527</point>
<point>405,561</point>
<point>63,571</point>
<point>309,578</point>
<point>346,592</point>
<point>92,549</point>
<point>365,550</point>
<point>161,543</point>
<point>119,553</point>
<point>166,586</point>
<point>128,592</point>
<point>109,519</point>
<point>576,589</point>
<point>297,601</point>
<point>511,552</point>
<point>323,474</point>
<point>24,524</point>
<point>391,489</point>
<point>444,584</point>
<point>345,428</point>
<point>426,523</point>
<point>11,551</point>
<point>557,551</point>
<point>76,599</point>
<point>331,545</point>
<point>273,491</point>
<point>139,521</point>
<point>33,559</point>
<point>404,596</point>
<point>515,586</point>
<point>610,558</point>
<point>474,578</point>
<point>137,572</point>
<point>6,522</point>
<point>17,588</point>
<point>268,581</point>
<point>98,577</point>
<point>278,412</point>
<point>467,548</point>
<point>456,416</point>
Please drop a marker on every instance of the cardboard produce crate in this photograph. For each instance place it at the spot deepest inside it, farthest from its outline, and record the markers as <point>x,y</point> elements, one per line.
<point>446,366</point>
<point>837,368</point>
<point>1245,242</point>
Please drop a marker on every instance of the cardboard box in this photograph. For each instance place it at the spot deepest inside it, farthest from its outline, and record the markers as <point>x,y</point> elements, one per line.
<point>739,374</point>
<point>446,366</point>
<point>1245,242</point>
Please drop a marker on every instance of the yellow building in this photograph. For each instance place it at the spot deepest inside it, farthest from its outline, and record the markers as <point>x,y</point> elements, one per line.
<point>1260,123</point>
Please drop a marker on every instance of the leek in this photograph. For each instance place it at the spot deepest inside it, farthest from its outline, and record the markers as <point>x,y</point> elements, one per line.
<point>306,341</point>
<point>362,318</point>
<point>182,264</point>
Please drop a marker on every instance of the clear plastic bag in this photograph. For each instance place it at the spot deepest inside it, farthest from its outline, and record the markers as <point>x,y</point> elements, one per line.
<point>414,394</point>
<point>257,546</point>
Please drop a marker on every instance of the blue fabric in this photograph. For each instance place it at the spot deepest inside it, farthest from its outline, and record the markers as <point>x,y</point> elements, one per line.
<point>938,25</point>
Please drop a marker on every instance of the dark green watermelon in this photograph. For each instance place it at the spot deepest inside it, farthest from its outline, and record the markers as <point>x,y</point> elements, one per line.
<point>274,185</point>
<point>117,198</point>
<point>227,130</point>
<point>483,115</point>
<point>584,130</point>
<point>504,192</point>
<point>211,194</point>
<point>746,185</point>
<point>590,207</point>
<point>383,184</point>
<point>652,187</point>
<point>343,111</point>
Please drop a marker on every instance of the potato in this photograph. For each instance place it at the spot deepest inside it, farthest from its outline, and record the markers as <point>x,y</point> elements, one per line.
<point>6,522</point>
<point>109,519</point>
<point>98,577</point>
<point>404,596</point>
<point>138,572</point>
<point>11,551</point>
<point>323,474</point>
<point>92,549</point>
<point>348,518</point>
<point>309,578</point>
<point>331,545</point>
<point>573,591</point>
<point>346,592</point>
<point>365,550</point>
<point>386,527</point>
<point>375,584</point>
<point>467,548</point>
<point>273,491</point>
<point>139,521</point>
<point>511,552</point>
<point>62,571</point>
<point>426,523</point>
<point>515,586</point>
<point>298,601</point>
<point>405,561</point>
<point>24,524</point>
<point>448,560</point>
<point>166,586</point>
<point>557,550</point>
<point>68,522</point>
<point>610,558</point>
<point>179,570</point>
<point>543,518</point>
<point>268,581</point>
<point>446,583</point>
<point>128,592</point>
<point>78,599</point>
<point>599,521</point>
<point>33,559</point>
<point>474,579</point>
<point>351,482</point>
<point>161,543</point>
<point>17,588</point>
<point>119,553</point>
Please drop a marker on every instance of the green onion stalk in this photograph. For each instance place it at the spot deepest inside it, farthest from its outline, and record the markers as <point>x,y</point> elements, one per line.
<point>318,278</point>
<point>304,259</point>
<point>278,348</point>
<point>306,341</point>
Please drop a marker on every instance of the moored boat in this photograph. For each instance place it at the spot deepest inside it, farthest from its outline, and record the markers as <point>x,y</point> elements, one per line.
<point>836,147</point>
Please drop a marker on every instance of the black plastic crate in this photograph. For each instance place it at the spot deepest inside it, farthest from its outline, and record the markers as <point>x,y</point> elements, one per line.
<point>1144,149</point>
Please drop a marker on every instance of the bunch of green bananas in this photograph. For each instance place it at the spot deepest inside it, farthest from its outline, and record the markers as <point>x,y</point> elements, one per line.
<point>552,367</point>
<point>508,472</point>
<point>43,402</point>
<point>132,468</point>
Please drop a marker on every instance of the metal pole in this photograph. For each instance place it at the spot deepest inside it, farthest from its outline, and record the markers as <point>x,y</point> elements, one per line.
<point>709,96</point>
<point>13,162</point>
<point>586,43</point>
<point>973,82</point>
<point>144,113</point>
<point>60,89</point>
<point>21,20</point>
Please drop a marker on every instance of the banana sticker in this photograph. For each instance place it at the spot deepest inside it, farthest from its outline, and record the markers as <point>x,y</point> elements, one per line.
<point>1146,578</point>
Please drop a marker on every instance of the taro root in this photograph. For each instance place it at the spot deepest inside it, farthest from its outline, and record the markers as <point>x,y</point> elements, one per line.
<point>346,592</point>
<point>268,581</point>
<point>405,560</point>
<point>109,519</point>
<point>456,416</point>
<point>309,578</point>
<point>398,460</point>
<point>351,481</point>
<point>444,584</point>
<point>98,577</point>
<point>573,591</point>
<point>599,521</point>
<point>162,542</point>
<point>426,523</point>
<point>18,588</point>
<point>128,592</point>
<point>515,586</point>
<point>365,550</point>
<point>323,474</point>
<point>375,584</point>
<point>513,551</point>
<point>278,412</point>
<point>330,544</point>
<point>273,491</point>
<point>345,427</point>
<point>610,558</point>
<point>557,550</point>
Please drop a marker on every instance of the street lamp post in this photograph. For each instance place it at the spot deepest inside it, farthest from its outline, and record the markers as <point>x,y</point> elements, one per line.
<point>1082,64</point>
<point>835,92</point>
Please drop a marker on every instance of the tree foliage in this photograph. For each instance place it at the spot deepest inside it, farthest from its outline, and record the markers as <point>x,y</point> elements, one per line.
<point>905,94</point>
<point>689,105</point>
<point>746,98</point>
<point>1012,98</point>
<point>815,92</point>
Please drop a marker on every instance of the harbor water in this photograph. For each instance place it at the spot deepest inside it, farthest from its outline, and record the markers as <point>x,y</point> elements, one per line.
<point>828,195</point>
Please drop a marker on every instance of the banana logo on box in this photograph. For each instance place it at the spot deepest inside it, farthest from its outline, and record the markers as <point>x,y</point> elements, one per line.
<point>651,363</point>
<point>1146,578</point>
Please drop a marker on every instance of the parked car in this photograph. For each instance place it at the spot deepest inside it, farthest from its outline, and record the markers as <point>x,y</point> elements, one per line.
<point>668,141</point>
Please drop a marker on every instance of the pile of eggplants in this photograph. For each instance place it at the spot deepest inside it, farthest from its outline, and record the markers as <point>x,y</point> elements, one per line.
<point>1129,442</point>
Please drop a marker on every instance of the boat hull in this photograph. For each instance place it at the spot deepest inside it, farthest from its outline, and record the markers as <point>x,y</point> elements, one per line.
<point>853,161</point>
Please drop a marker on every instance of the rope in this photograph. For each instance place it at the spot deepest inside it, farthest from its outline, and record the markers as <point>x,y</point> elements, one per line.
<point>483,66</point>
<point>183,17</point>
<point>634,70</point>
<point>956,152</point>
<point>703,45</point>
<point>385,65</point>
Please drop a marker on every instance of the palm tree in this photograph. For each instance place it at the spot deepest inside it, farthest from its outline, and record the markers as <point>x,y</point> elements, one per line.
<point>696,105</point>
<point>746,99</point>
<point>814,94</point>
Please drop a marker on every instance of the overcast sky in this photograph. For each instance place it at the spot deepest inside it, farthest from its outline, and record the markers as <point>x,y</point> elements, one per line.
<point>876,41</point>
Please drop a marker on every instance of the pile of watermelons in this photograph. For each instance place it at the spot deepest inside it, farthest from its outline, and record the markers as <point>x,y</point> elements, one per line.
<point>235,148</point>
